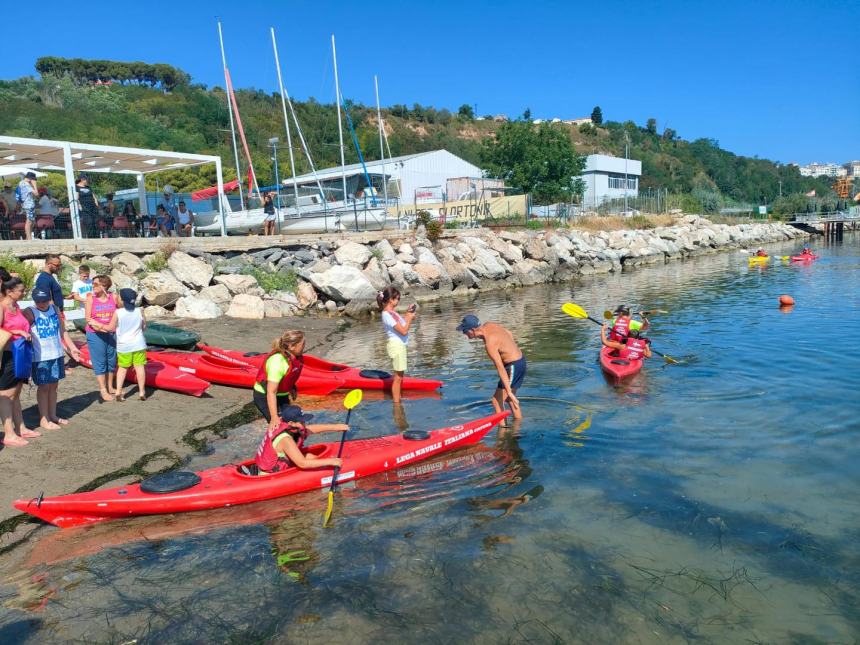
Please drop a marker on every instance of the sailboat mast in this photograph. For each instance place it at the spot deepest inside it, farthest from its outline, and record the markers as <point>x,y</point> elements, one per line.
<point>230,112</point>
<point>286,124</point>
<point>381,150</point>
<point>339,123</point>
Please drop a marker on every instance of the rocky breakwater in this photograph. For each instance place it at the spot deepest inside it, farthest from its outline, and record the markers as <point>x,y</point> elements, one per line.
<point>345,276</point>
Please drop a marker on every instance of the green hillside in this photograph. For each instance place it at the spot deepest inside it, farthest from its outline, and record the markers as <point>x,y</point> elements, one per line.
<point>193,118</point>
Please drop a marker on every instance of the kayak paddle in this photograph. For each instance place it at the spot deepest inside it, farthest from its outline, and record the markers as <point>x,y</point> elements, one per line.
<point>349,402</point>
<point>609,315</point>
<point>575,311</point>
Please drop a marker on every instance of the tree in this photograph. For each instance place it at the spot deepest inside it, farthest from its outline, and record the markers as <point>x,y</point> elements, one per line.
<point>597,115</point>
<point>527,114</point>
<point>540,160</point>
<point>651,126</point>
<point>669,134</point>
<point>466,112</point>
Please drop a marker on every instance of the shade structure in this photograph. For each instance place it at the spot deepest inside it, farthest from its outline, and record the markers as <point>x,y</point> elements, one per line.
<point>9,171</point>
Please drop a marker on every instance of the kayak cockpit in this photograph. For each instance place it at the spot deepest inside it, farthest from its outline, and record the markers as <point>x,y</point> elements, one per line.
<point>248,469</point>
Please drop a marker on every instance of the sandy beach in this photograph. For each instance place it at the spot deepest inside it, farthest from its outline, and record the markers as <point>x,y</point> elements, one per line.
<point>109,443</point>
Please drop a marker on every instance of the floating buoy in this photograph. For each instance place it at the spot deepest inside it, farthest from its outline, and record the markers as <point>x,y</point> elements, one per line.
<point>786,300</point>
<point>786,309</point>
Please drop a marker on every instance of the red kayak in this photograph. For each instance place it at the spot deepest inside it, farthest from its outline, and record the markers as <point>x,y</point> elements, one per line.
<point>319,367</point>
<point>159,375</point>
<point>804,257</point>
<point>225,372</point>
<point>183,491</point>
<point>617,367</point>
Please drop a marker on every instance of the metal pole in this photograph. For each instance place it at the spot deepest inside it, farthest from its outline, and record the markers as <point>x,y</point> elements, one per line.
<point>381,149</point>
<point>284,99</point>
<point>339,121</point>
<point>230,112</point>
<point>74,204</point>
<point>625,173</point>
<point>278,186</point>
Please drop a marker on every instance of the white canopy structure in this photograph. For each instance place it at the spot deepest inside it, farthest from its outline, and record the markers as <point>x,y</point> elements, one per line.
<point>76,158</point>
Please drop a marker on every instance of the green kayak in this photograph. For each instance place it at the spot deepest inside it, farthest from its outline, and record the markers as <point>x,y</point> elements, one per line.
<point>162,335</point>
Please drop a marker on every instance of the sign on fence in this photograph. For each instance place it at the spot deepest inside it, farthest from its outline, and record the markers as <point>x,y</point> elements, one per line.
<point>496,207</point>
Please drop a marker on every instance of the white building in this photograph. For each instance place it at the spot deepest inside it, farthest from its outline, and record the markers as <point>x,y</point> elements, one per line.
<point>609,178</point>
<point>852,168</point>
<point>823,170</point>
<point>424,176</point>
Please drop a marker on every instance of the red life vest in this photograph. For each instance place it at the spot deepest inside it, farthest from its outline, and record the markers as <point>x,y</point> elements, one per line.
<point>290,378</point>
<point>761,254</point>
<point>620,329</point>
<point>268,459</point>
<point>635,349</point>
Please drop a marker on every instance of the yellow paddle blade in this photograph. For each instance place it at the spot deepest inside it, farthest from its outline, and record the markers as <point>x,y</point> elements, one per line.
<point>669,360</point>
<point>330,505</point>
<point>573,310</point>
<point>352,399</point>
<point>608,314</point>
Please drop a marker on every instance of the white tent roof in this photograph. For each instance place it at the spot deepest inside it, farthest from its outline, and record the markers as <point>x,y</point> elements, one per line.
<point>43,154</point>
<point>7,171</point>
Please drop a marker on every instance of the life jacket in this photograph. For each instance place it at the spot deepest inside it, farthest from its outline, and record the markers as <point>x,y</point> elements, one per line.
<point>635,349</point>
<point>267,458</point>
<point>290,378</point>
<point>761,254</point>
<point>620,329</point>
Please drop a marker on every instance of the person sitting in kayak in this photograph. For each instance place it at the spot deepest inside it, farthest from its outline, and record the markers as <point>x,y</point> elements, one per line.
<point>506,356</point>
<point>623,324</point>
<point>806,251</point>
<point>634,348</point>
<point>761,253</point>
<point>282,445</point>
<point>277,377</point>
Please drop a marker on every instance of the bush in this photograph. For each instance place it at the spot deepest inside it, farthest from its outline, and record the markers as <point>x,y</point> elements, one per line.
<point>156,262</point>
<point>27,272</point>
<point>271,281</point>
<point>640,222</point>
<point>431,225</point>
<point>535,225</point>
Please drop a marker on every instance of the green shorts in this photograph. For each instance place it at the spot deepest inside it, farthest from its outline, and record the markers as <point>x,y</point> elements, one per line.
<point>127,359</point>
<point>397,353</point>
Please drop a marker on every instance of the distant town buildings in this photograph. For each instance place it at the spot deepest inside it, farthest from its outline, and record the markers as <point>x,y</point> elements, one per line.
<point>824,170</point>
<point>852,168</point>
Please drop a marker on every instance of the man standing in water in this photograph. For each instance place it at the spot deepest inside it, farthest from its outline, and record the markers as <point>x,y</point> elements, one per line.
<point>506,356</point>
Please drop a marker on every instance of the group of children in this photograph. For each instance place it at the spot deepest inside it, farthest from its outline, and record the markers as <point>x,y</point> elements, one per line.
<point>114,337</point>
<point>624,335</point>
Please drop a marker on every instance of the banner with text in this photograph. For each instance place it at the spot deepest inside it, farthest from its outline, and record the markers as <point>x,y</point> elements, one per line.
<point>496,207</point>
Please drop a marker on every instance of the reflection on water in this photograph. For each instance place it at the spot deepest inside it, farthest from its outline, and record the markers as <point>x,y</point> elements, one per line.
<point>715,500</point>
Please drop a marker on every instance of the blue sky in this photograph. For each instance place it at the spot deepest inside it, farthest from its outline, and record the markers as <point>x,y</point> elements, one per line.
<point>779,80</point>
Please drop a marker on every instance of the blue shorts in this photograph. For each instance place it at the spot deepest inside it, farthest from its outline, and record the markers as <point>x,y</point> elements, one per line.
<point>50,371</point>
<point>102,346</point>
<point>30,213</point>
<point>516,373</point>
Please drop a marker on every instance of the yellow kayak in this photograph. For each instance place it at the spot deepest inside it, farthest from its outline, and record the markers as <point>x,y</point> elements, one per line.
<point>759,259</point>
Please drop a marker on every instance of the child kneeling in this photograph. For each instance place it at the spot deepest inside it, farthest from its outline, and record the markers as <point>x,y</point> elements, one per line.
<point>282,446</point>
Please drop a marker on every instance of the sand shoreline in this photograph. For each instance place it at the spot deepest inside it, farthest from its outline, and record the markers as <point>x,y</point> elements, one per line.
<point>131,438</point>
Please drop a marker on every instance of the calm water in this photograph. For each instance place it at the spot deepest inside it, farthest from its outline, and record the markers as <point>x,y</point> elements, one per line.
<point>717,500</point>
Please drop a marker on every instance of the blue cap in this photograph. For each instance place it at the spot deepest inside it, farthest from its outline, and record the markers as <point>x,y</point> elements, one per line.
<point>40,295</point>
<point>293,413</point>
<point>469,322</point>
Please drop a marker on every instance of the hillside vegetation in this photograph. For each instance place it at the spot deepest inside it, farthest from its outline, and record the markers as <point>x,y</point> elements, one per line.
<point>193,118</point>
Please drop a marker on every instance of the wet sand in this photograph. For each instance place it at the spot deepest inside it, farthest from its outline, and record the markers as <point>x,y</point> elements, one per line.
<point>103,438</point>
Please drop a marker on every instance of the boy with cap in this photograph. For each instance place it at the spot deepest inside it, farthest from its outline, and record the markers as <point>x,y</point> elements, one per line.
<point>506,356</point>
<point>282,445</point>
<point>130,343</point>
<point>49,340</point>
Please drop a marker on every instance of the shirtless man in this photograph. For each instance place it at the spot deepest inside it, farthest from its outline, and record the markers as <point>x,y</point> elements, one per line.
<point>506,356</point>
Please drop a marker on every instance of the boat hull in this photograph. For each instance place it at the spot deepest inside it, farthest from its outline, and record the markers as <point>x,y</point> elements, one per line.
<point>616,367</point>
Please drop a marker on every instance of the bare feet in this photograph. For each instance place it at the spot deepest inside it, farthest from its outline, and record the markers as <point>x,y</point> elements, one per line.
<point>47,424</point>
<point>30,434</point>
<point>106,396</point>
<point>13,440</point>
<point>143,397</point>
<point>120,397</point>
<point>61,421</point>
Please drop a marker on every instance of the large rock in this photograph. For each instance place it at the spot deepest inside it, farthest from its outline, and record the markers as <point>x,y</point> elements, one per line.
<point>426,256</point>
<point>344,283</point>
<point>531,272</point>
<point>352,254</point>
<point>486,264</point>
<point>189,270</point>
<point>306,295</point>
<point>510,252</point>
<point>127,263</point>
<point>286,297</point>
<point>403,275</point>
<point>377,274</point>
<point>162,288</point>
<point>123,281</point>
<point>433,275</point>
<point>237,284</point>
<point>386,252</point>
<point>154,312</point>
<point>197,308</point>
<point>217,293</point>
<point>245,305</point>
<point>360,308</point>
<point>279,309</point>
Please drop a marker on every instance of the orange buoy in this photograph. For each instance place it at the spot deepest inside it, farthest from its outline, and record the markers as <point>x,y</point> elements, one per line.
<point>786,300</point>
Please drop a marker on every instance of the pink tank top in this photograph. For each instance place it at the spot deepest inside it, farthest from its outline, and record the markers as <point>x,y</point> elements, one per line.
<point>15,320</point>
<point>102,311</point>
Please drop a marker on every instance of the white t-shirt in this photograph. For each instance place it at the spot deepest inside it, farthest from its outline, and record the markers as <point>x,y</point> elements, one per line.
<point>388,321</point>
<point>82,288</point>
<point>46,334</point>
<point>129,331</point>
<point>184,218</point>
<point>47,206</point>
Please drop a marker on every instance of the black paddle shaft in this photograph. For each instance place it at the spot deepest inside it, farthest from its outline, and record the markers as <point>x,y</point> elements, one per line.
<point>340,452</point>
